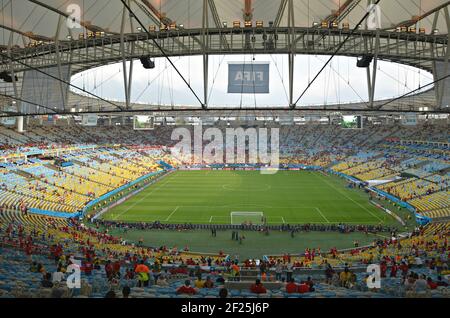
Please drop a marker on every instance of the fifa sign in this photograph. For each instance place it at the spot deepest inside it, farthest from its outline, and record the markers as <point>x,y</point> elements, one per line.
<point>251,78</point>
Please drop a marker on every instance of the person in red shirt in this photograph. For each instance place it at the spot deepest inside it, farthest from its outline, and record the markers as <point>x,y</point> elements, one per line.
<point>394,269</point>
<point>291,287</point>
<point>383,269</point>
<point>431,284</point>
<point>303,288</point>
<point>258,288</point>
<point>186,289</point>
<point>404,268</point>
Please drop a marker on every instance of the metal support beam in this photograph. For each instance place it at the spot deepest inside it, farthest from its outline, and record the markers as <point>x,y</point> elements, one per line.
<point>438,84</point>
<point>217,22</point>
<point>124,60</point>
<point>447,60</point>
<point>411,22</point>
<point>342,11</point>
<point>291,55</point>
<point>16,91</point>
<point>30,35</point>
<point>374,69</point>
<point>62,87</point>
<point>205,25</point>
<point>366,49</point>
<point>280,13</point>
<point>130,77</point>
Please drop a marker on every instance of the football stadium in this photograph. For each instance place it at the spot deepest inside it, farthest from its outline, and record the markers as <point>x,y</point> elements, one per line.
<point>206,149</point>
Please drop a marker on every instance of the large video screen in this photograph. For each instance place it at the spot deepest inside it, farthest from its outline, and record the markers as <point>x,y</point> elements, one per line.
<point>250,78</point>
<point>352,122</point>
<point>143,122</point>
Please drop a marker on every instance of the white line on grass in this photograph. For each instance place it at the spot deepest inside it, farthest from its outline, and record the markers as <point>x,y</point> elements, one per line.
<point>320,212</point>
<point>141,199</point>
<point>362,206</point>
<point>170,215</point>
<point>282,218</point>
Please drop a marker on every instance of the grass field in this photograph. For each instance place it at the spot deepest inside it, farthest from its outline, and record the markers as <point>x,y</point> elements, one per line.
<point>285,197</point>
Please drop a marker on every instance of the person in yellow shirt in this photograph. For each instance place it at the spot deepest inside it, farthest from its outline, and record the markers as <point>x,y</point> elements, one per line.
<point>344,277</point>
<point>199,282</point>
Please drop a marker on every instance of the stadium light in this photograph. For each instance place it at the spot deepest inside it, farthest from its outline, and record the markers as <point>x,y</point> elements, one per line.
<point>224,24</point>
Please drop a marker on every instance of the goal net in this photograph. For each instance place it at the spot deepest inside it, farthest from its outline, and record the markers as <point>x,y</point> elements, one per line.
<point>245,217</point>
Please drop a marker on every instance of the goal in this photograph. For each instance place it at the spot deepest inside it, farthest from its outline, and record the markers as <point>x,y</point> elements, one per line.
<point>240,217</point>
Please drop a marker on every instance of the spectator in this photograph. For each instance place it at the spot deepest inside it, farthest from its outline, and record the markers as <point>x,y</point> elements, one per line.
<point>291,287</point>
<point>186,289</point>
<point>58,276</point>
<point>440,282</point>
<point>162,281</point>
<point>143,273</point>
<point>303,288</point>
<point>345,277</point>
<point>110,294</point>
<point>47,281</point>
<point>208,283</point>
<point>126,292</point>
<point>431,284</point>
<point>421,284</point>
<point>289,271</point>
<point>310,283</point>
<point>258,287</point>
<point>329,273</point>
<point>278,270</point>
<point>220,279</point>
<point>223,293</point>
<point>199,282</point>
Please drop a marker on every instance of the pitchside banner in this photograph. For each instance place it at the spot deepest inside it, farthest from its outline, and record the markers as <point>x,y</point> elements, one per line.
<point>247,78</point>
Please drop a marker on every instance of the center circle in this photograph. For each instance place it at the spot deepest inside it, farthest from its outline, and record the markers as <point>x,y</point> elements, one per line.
<point>261,187</point>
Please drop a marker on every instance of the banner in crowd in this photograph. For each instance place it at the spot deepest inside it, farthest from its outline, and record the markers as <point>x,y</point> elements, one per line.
<point>89,120</point>
<point>9,121</point>
<point>409,120</point>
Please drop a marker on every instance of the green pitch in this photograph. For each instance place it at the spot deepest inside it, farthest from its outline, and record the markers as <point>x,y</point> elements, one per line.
<point>285,197</point>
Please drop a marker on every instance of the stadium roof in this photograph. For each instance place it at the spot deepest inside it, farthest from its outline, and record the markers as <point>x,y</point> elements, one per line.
<point>32,31</point>
<point>39,19</point>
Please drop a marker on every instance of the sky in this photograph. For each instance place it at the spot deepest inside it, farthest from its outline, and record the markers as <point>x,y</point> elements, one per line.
<point>340,82</point>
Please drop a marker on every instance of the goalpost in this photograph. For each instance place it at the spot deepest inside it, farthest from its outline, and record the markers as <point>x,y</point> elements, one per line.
<point>240,217</point>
